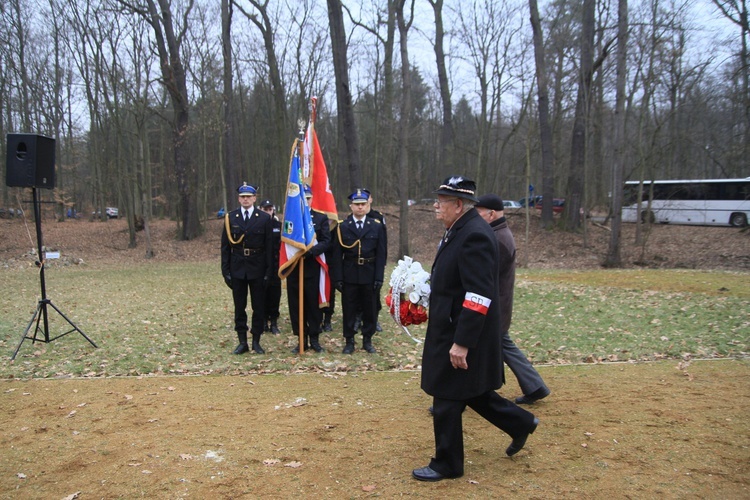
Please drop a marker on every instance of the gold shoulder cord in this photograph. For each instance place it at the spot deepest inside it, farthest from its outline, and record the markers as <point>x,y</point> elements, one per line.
<point>229,233</point>
<point>358,243</point>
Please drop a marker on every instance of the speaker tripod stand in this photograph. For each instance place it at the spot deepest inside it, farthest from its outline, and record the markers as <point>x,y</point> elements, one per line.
<point>41,315</point>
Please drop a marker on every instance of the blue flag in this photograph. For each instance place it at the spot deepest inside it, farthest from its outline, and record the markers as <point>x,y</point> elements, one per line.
<point>297,231</point>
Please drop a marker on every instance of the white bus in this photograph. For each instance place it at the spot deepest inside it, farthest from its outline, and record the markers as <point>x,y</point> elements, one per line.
<point>708,202</point>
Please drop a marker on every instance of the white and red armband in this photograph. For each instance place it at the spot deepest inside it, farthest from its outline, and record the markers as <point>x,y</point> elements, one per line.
<point>475,302</point>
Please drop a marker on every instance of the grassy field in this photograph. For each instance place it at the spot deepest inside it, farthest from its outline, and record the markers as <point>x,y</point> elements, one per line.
<point>177,319</point>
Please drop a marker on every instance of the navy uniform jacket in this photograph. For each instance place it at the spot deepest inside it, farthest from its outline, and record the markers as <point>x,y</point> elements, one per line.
<point>323,241</point>
<point>257,244</point>
<point>464,272</point>
<point>347,266</point>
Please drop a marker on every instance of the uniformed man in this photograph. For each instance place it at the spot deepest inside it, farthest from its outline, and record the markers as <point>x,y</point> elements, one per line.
<point>273,288</point>
<point>313,313</point>
<point>246,263</point>
<point>358,270</point>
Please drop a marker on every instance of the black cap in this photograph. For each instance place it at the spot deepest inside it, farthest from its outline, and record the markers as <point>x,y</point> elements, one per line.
<point>266,203</point>
<point>458,186</point>
<point>491,201</point>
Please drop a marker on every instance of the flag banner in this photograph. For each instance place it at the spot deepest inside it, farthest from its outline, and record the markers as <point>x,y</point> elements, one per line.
<point>316,173</point>
<point>297,231</point>
<point>324,282</point>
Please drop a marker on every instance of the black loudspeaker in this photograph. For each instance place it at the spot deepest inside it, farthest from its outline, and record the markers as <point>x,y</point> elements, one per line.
<point>30,161</point>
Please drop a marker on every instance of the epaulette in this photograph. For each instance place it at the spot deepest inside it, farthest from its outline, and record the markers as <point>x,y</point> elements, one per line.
<point>376,220</point>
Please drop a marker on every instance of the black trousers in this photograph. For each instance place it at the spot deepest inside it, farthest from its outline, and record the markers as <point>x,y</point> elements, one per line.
<point>273,299</point>
<point>356,298</point>
<point>313,312</point>
<point>448,427</point>
<point>240,288</point>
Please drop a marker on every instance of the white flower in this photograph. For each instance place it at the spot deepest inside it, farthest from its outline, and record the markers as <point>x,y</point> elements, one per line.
<point>409,279</point>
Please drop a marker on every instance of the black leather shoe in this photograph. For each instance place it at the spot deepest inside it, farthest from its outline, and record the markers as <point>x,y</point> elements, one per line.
<point>517,444</point>
<point>378,328</point>
<point>295,350</point>
<point>428,474</point>
<point>257,349</point>
<point>241,349</point>
<point>532,398</point>
<point>367,346</point>
<point>348,348</point>
<point>274,328</point>
<point>327,326</point>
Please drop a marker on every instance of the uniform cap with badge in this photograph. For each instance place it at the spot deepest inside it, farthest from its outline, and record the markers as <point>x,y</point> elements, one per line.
<point>266,204</point>
<point>359,196</point>
<point>247,190</point>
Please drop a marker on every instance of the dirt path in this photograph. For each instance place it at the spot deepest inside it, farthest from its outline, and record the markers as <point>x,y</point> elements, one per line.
<point>636,431</point>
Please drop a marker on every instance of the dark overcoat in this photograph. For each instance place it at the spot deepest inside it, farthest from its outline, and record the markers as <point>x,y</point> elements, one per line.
<point>257,242</point>
<point>464,275</point>
<point>506,279</point>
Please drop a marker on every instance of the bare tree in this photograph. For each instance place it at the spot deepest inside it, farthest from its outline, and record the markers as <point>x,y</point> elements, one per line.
<point>169,45</point>
<point>613,254</point>
<point>545,130</point>
<point>348,139</point>
<point>737,12</point>
<point>447,134</point>
<point>403,127</point>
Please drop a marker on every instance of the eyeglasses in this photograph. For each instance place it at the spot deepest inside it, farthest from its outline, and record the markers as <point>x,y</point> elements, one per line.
<point>441,203</point>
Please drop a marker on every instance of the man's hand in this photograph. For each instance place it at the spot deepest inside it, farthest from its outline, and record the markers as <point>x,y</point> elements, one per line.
<point>228,280</point>
<point>458,356</point>
<point>339,285</point>
<point>376,285</point>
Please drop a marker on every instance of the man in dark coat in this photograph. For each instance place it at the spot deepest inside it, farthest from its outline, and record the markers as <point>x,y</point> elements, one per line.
<point>490,208</point>
<point>359,266</point>
<point>246,263</point>
<point>312,276</point>
<point>273,287</point>
<point>462,357</point>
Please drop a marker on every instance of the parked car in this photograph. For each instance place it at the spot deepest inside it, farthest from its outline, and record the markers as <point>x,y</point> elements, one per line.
<point>112,212</point>
<point>533,201</point>
<point>511,205</point>
<point>220,213</point>
<point>558,205</point>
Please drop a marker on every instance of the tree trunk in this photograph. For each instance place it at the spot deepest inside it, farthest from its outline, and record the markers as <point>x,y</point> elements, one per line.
<point>348,140</point>
<point>613,254</point>
<point>403,132</point>
<point>446,164</point>
<point>230,178</point>
<point>574,191</point>
<point>545,130</point>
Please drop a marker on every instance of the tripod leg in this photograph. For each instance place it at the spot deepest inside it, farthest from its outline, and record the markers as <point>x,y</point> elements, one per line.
<point>25,332</point>
<point>72,324</point>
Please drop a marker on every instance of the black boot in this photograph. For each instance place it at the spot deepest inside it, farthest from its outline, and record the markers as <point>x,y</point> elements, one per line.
<point>327,323</point>
<point>256,344</point>
<point>349,347</point>
<point>274,328</point>
<point>242,347</point>
<point>306,346</point>
<point>367,345</point>
<point>315,344</point>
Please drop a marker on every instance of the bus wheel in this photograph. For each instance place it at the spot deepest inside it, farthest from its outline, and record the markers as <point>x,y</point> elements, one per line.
<point>738,220</point>
<point>648,217</point>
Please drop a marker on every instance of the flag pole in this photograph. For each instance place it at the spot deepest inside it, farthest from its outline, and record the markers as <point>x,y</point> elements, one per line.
<point>301,264</point>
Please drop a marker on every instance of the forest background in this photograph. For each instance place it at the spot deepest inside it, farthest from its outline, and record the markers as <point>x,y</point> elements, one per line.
<point>162,108</point>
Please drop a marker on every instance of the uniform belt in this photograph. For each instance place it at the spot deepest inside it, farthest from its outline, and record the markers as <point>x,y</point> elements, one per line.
<point>361,260</point>
<point>246,251</point>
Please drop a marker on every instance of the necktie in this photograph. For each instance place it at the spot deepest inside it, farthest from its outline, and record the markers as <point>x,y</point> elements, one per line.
<point>247,215</point>
<point>359,225</point>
